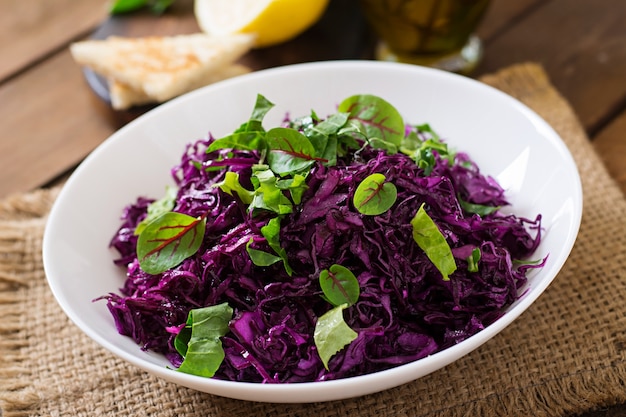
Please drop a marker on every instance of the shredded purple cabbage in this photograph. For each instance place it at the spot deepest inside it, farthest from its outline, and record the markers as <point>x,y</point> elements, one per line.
<point>405,311</point>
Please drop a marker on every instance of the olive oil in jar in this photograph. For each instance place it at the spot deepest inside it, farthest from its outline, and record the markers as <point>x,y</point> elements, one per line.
<point>438,33</point>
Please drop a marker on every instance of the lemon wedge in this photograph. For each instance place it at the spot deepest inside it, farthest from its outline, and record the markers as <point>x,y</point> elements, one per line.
<point>271,21</point>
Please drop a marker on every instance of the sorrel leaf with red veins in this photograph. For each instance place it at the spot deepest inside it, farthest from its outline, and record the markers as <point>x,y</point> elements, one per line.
<point>374,196</point>
<point>168,240</point>
<point>339,285</point>
<point>289,151</point>
<point>380,119</point>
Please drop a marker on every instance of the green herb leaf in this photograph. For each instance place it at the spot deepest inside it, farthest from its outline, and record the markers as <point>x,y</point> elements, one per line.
<point>158,207</point>
<point>261,107</point>
<point>374,196</point>
<point>430,239</point>
<point>168,240</point>
<point>332,334</point>
<point>289,151</point>
<point>422,150</point>
<point>473,259</point>
<point>267,194</point>
<point>479,209</point>
<point>231,185</point>
<point>259,257</point>
<point>244,141</point>
<point>271,232</point>
<point>339,285</point>
<point>296,187</point>
<point>378,143</point>
<point>380,119</point>
<point>323,136</point>
<point>199,342</point>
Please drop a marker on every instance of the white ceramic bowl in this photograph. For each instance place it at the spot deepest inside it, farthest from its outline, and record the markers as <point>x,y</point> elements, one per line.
<point>505,138</point>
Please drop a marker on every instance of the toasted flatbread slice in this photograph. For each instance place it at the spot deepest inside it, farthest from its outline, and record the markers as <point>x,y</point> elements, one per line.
<point>123,96</point>
<point>160,67</point>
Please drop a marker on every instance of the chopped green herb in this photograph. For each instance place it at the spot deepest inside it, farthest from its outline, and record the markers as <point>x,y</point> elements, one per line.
<point>473,259</point>
<point>158,207</point>
<point>429,238</point>
<point>199,341</point>
<point>332,334</point>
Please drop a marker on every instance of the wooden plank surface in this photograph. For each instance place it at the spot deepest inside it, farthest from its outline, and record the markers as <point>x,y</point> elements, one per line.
<point>581,43</point>
<point>610,143</point>
<point>584,59</point>
<point>30,29</point>
<point>47,123</point>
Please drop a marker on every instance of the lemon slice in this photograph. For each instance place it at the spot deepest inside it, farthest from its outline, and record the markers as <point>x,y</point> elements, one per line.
<point>271,21</point>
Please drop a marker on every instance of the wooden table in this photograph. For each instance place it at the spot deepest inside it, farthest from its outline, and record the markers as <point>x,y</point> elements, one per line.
<point>50,119</point>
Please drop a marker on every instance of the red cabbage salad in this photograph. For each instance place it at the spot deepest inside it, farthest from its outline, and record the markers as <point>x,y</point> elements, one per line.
<point>319,249</point>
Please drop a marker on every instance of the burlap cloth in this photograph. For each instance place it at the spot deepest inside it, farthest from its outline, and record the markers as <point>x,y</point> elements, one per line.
<point>563,356</point>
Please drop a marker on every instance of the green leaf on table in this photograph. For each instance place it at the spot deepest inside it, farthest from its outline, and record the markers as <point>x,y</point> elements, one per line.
<point>339,285</point>
<point>158,207</point>
<point>374,195</point>
<point>380,119</point>
<point>199,341</point>
<point>332,334</point>
<point>126,6</point>
<point>168,240</point>
<point>430,239</point>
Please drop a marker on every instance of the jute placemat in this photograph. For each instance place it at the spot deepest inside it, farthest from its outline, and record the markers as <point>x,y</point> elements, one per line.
<point>563,356</point>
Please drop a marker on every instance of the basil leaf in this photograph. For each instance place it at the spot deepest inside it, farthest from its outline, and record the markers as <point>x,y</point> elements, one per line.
<point>374,196</point>
<point>289,151</point>
<point>332,334</point>
<point>199,342</point>
<point>231,185</point>
<point>430,239</point>
<point>168,240</point>
<point>339,285</point>
<point>158,207</point>
<point>380,118</point>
